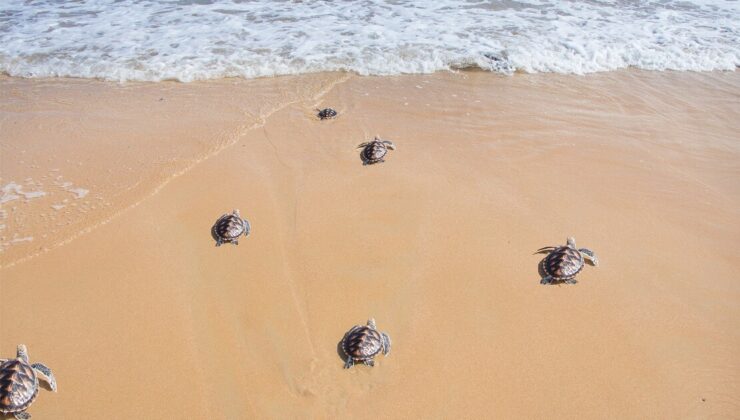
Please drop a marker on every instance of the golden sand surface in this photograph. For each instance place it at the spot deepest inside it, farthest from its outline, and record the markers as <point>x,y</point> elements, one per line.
<point>124,295</point>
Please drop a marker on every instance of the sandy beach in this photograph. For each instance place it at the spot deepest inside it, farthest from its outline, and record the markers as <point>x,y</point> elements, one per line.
<point>111,278</point>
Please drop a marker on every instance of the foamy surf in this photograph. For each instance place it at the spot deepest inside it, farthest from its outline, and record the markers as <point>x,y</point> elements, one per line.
<point>13,191</point>
<point>193,40</point>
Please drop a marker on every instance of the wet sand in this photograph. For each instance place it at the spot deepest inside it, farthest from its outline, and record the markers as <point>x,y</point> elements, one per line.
<point>140,316</point>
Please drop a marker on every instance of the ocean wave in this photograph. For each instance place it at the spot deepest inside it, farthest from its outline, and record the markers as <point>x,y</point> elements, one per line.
<point>190,40</point>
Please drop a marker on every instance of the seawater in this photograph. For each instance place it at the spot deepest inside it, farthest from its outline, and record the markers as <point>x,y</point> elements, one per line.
<point>189,40</point>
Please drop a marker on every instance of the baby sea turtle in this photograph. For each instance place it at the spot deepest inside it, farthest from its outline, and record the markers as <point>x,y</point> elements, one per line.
<point>229,227</point>
<point>564,262</point>
<point>363,342</point>
<point>326,113</point>
<point>374,151</point>
<point>19,383</point>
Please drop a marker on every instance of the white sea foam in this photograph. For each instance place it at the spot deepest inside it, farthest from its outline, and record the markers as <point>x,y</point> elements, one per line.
<point>13,191</point>
<point>79,192</point>
<point>69,187</point>
<point>203,39</point>
<point>23,239</point>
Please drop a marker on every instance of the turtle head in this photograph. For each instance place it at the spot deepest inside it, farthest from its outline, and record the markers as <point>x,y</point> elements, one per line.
<point>571,242</point>
<point>235,212</point>
<point>22,352</point>
<point>371,323</point>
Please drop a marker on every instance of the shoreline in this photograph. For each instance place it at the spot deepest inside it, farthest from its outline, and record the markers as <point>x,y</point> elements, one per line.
<point>352,73</point>
<point>435,244</point>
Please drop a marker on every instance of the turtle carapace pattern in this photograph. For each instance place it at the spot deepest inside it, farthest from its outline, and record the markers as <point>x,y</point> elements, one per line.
<point>229,227</point>
<point>374,151</point>
<point>563,263</point>
<point>19,383</point>
<point>326,113</point>
<point>363,342</point>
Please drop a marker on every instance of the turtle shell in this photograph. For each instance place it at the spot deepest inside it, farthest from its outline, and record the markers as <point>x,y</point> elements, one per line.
<point>374,151</point>
<point>563,263</point>
<point>327,113</point>
<point>362,342</point>
<point>229,226</point>
<point>18,386</point>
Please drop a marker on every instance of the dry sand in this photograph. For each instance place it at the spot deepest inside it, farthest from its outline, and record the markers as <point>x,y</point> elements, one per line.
<point>140,316</point>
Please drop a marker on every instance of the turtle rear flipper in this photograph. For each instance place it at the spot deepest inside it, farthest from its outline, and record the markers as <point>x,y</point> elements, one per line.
<point>22,415</point>
<point>546,280</point>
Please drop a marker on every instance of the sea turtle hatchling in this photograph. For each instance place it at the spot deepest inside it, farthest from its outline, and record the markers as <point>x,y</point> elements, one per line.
<point>562,263</point>
<point>19,383</point>
<point>374,151</point>
<point>229,227</point>
<point>363,342</point>
<point>326,113</point>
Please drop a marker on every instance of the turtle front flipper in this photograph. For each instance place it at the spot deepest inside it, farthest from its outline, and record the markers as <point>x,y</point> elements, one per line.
<point>363,144</point>
<point>571,281</point>
<point>370,362</point>
<point>386,344</point>
<point>589,256</point>
<point>389,144</point>
<point>247,227</point>
<point>215,235</point>
<point>22,415</point>
<point>44,373</point>
<point>545,249</point>
<point>546,280</point>
<point>349,362</point>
